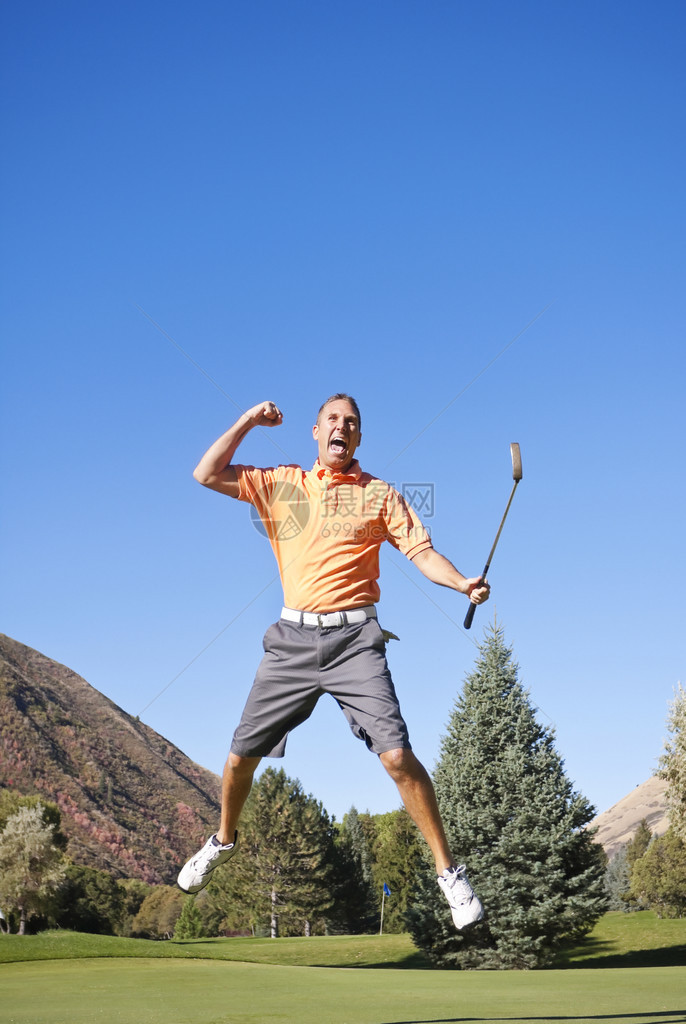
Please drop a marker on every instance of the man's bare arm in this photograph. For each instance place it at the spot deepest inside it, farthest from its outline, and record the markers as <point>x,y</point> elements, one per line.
<point>214,469</point>
<point>439,570</point>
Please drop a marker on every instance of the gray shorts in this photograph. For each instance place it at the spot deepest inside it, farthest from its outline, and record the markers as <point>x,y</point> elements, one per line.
<point>303,662</point>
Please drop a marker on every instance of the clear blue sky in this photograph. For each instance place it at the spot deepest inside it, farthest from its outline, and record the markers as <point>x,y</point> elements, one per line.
<point>376,197</point>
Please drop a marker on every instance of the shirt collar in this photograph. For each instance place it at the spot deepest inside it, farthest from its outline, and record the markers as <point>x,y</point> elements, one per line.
<point>352,473</point>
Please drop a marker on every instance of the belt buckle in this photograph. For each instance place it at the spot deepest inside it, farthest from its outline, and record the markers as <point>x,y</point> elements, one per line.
<point>321,616</point>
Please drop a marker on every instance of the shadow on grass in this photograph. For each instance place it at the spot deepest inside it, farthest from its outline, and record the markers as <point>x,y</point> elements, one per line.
<point>594,953</point>
<point>665,1016</point>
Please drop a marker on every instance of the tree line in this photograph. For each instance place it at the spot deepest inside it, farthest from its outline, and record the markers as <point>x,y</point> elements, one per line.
<point>510,812</point>
<point>649,872</point>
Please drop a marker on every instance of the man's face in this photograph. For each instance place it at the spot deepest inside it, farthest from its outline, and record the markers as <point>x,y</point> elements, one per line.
<point>337,433</point>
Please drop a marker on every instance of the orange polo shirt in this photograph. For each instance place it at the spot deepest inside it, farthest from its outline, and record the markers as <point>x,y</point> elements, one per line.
<point>326,528</point>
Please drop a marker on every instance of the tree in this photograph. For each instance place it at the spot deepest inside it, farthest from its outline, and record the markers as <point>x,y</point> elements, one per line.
<point>11,801</point>
<point>638,844</point>
<point>31,865</point>
<point>134,892</point>
<point>658,878</point>
<point>158,913</point>
<point>356,906</point>
<point>189,924</point>
<point>673,763</point>
<point>511,811</point>
<point>283,873</point>
<point>91,901</point>
<point>397,851</point>
<point>617,882</point>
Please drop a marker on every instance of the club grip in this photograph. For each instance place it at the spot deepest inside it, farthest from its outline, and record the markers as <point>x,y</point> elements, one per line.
<point>469,617</point>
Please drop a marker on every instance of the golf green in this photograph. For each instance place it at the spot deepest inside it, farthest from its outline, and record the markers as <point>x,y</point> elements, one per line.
<point>213,992</point>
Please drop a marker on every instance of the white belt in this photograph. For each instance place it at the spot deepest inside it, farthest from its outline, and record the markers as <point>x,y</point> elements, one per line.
<point>329,620</point>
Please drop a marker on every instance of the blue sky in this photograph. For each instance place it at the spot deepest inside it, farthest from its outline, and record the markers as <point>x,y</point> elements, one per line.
<point>470,216</point>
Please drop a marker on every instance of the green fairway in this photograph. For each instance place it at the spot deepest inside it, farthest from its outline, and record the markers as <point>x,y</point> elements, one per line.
<point>212,992</point>
<point>630,970</point>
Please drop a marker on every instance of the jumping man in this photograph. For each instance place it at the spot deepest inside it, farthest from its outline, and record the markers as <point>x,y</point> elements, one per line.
<point>326,526</point>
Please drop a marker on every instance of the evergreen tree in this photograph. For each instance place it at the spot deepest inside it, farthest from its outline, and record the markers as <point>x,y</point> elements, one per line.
<point>356,837</point>
<point>673,763</point>
<point>638,844</point>
<point>189,924</point>
<point>31,864</point>
<point>398,852</point>
<point>91,901</point>
<point>617,882</point>
<point>356,907</point>
<point>283,874</point>
<point>658,879</point>
<point>511,812</point>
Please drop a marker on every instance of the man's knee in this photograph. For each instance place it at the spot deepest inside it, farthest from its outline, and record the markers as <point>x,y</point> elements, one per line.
<point>399,762</point>
<point>239,765</point>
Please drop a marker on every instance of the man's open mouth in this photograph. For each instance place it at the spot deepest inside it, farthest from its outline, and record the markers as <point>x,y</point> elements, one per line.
<point>338,444</point>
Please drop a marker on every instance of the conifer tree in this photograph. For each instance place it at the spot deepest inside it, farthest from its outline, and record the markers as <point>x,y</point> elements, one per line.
<point>673,763</point>
<point>397,850</point>
<point>617,882</point>
<point>511,813</point>
<point>189,924</point>
<point>282,874</point>
<point>658,879</point>
<point>356,907</point>
<point>638,844</point>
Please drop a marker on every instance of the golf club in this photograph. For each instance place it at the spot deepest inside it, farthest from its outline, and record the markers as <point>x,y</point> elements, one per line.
<point>516,476</point>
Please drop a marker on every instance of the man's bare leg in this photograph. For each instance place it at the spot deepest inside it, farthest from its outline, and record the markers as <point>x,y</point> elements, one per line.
<point>417,792</point>
<point>236,785</point>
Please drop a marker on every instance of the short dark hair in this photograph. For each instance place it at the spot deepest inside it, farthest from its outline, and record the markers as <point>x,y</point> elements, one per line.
<point>342,397</point>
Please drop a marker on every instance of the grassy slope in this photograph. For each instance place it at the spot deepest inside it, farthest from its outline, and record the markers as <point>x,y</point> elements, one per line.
<point>617,940</point>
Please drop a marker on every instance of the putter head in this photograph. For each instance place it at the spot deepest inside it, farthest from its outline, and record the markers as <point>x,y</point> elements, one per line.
<point>516,461</point>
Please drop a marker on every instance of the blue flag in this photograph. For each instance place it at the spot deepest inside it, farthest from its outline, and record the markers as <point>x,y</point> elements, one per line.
<point>386,890</point>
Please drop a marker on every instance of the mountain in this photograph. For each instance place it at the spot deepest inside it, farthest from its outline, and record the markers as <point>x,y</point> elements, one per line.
<point>617,825</point>
<point>132,803</point>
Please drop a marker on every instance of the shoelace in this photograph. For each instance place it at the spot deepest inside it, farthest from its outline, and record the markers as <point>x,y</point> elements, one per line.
<point>460,887</point>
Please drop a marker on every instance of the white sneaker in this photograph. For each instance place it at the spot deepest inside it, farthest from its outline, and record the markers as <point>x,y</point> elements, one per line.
<point>196,872</point>
<point>464,903</point>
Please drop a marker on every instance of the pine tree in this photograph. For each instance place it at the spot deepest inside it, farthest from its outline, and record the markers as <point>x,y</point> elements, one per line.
<point>638,844</point>
<point>355,909</point>
<point>91,901</point>
<point>282,874</point>
<point>658,879</point>
<point>189,924</point>
<point>398,850</point>
<point>511,812</point>
<point>673,763</point>
<point>617,882</point>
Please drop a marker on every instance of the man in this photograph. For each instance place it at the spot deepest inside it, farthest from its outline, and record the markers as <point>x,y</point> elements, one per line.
<point>326,527</point>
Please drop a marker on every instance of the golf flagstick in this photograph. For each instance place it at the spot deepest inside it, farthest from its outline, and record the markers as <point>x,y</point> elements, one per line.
<point>517,476</point>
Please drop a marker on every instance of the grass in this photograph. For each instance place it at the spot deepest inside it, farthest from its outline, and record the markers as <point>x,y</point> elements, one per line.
<point>70,978</point>
<point>385,951</point>
<point>215,992</point>
<point>618,940</point>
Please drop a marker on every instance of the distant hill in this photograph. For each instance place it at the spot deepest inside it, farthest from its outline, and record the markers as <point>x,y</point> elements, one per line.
<point>132,803</point>
<point>617,825</point>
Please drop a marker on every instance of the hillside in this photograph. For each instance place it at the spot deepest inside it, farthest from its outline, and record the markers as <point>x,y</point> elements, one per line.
<point>617,825</point>
<point>132,803</point>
